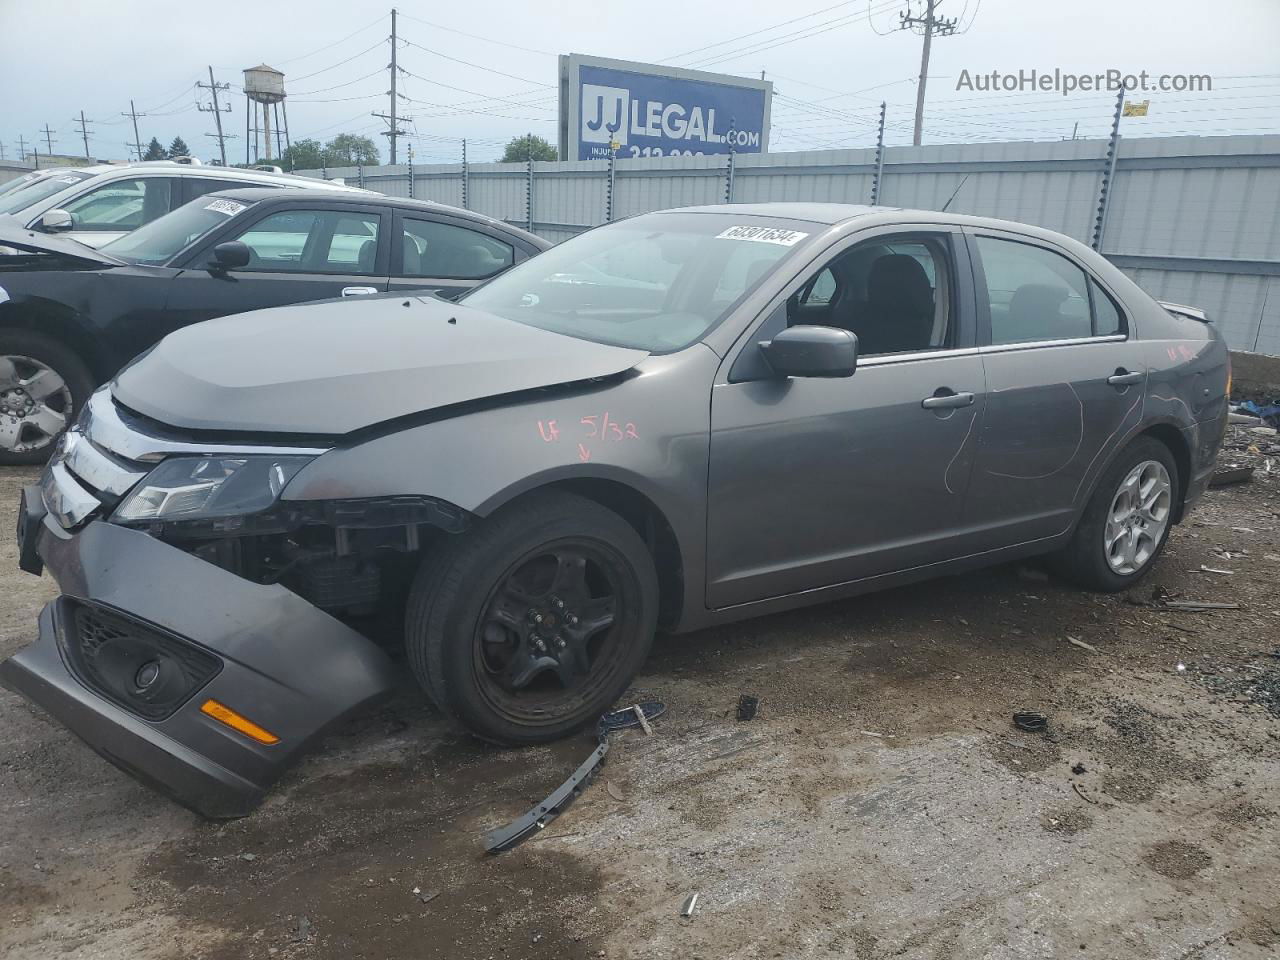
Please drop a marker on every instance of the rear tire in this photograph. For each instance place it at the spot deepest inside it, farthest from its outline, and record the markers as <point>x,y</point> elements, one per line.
<point>1119,537</point>
<point>43,385</point>
<point>530,625</point>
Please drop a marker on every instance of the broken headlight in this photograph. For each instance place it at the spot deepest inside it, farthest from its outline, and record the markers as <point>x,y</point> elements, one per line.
<point>197,488</point>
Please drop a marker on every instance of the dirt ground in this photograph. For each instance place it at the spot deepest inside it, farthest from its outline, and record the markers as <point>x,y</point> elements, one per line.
<point>880,805</point>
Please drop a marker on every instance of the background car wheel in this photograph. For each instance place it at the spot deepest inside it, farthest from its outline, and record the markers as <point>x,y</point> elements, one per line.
<point>1127,522</point>
<point>532,624</point>
<point>43,385</point>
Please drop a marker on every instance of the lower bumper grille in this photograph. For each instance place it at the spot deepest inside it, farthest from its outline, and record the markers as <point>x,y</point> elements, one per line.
<point>138,667</point>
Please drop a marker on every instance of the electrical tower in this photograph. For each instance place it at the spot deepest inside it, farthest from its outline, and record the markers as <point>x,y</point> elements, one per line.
<point>213,87</point>
<point>927,25</point>
<point>137,140</point>
<point>84,132</point>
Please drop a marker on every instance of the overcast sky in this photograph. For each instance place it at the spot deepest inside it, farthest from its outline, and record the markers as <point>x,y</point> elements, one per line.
<point>831,69</point>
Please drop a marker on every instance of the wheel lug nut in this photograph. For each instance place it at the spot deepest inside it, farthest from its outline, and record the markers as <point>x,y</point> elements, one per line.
<point>537,618</point>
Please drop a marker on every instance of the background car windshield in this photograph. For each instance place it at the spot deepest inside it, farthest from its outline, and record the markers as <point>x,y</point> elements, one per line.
<point>37,190</point>
<point>163,238</point>
<point>656,283</point>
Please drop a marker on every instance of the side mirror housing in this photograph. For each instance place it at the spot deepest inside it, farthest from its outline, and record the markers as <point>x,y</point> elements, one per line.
<point>56,221</point>
<point>229,256</point>
<point>812,351</point>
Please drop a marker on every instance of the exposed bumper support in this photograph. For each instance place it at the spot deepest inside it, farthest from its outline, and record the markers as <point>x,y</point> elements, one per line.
<point>285,665</point>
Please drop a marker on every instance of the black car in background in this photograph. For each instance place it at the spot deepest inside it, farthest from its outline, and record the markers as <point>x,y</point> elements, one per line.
<point>71,316</point>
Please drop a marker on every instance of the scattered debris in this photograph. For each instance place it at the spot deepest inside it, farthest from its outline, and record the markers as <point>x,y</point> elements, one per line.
<point>690,904</point>
<point>425,897</point>
<point>1218,570</point>
<point>523,827</point>
<point>1193,606</point>
<point>1181,667</point>
<point>614,791</point>
<point>1076,641</point>
<point>250,857</point>
<point>1229,475</point>
<point>747,707</point>
<point>1081,794</point>
<point>302,929</point>
<point>1078,769</point>
<point>871,733</point>
<point>1030,721</point>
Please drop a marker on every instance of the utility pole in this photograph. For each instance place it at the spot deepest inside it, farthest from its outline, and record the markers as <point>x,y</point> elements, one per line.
<point>213,87</point>
<point>391,118</point>
<point>84,132</point>
<point>48,139</point>
<point>137,140</point>
<point>928,25</point>
<point>22,149</point>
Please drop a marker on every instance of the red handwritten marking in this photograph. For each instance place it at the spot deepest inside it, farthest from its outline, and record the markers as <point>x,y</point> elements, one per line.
<point>548,431</point>
<point>631,432</point>
<point>583,453</point>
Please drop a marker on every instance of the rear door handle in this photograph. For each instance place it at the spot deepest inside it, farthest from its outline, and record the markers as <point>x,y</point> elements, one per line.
<point>943,401</point>
<point>358,291</point>
<point>1123,378</point>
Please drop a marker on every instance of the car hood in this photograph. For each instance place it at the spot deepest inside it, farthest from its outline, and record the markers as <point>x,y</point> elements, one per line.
<point>14,234</point>
<point>332,367</point>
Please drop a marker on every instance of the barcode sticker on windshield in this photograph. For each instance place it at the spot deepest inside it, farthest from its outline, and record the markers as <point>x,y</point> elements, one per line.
<point>229,207</point>
<point>68,179</point>
<point>784,238</point>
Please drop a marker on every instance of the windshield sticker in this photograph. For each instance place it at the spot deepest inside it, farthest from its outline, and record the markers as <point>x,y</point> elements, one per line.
<point>784,238</point>
<point>229,207</point>
<point>68,179</point>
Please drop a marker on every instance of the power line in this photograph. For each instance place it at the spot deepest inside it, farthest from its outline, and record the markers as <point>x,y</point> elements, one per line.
<point>476,36</point>
<point>752,33</point>
<point>477,66</point>
<point>333,66</point>
<point>335,43</point>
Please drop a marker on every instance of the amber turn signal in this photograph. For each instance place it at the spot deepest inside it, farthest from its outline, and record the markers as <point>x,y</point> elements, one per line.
<point>224,714</point>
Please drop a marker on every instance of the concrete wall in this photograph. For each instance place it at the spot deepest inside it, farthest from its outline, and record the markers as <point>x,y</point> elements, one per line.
<point>1194,220</point>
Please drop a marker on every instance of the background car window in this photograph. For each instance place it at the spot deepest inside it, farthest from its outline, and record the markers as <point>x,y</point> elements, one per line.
<point>313,241</point>
<point>1035,294</point>
<point>1106,315</point>
<point>122,204</point>
<point>442,250</point>
<point>160,240</point>
<point>198,186</point>
<point>894,296</point>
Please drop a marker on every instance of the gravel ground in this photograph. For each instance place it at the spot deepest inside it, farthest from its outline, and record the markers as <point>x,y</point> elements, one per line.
<point>880,805</point>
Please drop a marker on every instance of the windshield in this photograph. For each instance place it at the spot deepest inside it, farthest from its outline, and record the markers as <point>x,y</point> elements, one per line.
<point>165,237</point>
<point>37,190</point>
<point>20,183</point>
<point>657,282</point>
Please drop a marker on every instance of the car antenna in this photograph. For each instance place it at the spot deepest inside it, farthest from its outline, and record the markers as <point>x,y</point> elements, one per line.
<point>954,192</point>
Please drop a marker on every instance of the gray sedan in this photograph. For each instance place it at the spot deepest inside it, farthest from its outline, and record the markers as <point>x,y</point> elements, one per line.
<point>673,421</point>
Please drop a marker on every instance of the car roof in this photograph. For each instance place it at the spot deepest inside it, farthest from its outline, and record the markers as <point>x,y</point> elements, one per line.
<point>258,194</point>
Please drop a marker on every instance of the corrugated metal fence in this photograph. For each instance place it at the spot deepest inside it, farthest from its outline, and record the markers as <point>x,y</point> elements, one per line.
<point>1192,219</point>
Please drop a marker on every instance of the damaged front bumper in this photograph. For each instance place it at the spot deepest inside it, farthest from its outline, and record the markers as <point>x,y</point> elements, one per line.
<point>145,636</point>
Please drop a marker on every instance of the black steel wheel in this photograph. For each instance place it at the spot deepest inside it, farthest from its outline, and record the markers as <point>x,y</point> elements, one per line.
<point>530,625</point>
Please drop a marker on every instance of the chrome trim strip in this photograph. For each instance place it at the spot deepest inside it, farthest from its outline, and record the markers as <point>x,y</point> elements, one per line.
<point>67,502</point>
<point>883,359</point>
<point>1037,344</point>
<point>103,423</point>
<point>95,468</point>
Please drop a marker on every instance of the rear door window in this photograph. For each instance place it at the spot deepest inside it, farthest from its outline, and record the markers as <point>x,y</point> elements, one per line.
<point>431,248</point>
<point>1034,293</point>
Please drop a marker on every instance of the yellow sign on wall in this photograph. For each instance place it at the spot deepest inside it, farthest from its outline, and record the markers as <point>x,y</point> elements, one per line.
<point>1135,109</point>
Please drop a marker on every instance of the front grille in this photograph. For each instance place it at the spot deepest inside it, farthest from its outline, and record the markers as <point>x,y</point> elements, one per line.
<point>136,666</point>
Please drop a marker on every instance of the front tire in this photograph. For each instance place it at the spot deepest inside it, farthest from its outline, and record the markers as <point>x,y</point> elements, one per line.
<point>43,385</point>
<point>530,625</point>
<point>1127,522</point>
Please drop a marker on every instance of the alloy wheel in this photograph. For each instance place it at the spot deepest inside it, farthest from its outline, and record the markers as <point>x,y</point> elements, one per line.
<point>1138,518</point>
<point>35,403</point>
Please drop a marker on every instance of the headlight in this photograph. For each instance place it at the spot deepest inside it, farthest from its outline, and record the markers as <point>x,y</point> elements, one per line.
<point>196,488</point>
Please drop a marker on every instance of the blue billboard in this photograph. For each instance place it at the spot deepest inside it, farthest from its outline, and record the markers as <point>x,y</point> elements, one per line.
<point>641,110</point>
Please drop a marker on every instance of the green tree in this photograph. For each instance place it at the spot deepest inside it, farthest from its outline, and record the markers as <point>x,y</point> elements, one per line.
<point>303,155</point>
<point>520,149</point>
<point>179,148</point>
<point>154,151</point>
<point>349,149</point>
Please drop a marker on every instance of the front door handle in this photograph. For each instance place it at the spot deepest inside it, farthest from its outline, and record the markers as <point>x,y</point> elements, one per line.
<point>358,291</point>
<point>947,400</point>
<point>1123,378</point>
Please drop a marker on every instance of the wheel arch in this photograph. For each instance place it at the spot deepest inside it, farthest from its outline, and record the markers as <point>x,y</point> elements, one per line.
<point>1173,439</point>
<point>57,322</point>
<point>643,514</point>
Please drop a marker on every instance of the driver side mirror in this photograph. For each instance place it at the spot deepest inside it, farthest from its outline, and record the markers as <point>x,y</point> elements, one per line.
<point>229,256</point>
<point>812,351</point>
<point>56,221</point>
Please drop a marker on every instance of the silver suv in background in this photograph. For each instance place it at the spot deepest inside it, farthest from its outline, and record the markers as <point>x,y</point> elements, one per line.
<point>98,204</point>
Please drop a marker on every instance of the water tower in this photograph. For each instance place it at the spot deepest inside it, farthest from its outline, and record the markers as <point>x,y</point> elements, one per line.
<point>264,91</point>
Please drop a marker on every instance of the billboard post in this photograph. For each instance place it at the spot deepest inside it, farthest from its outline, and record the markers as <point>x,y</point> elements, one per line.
<point>653,111</point>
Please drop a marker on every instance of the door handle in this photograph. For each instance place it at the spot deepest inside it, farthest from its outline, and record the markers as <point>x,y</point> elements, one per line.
<point>1123,378</point>
<point>944,401</point>
<point>358,291</point>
